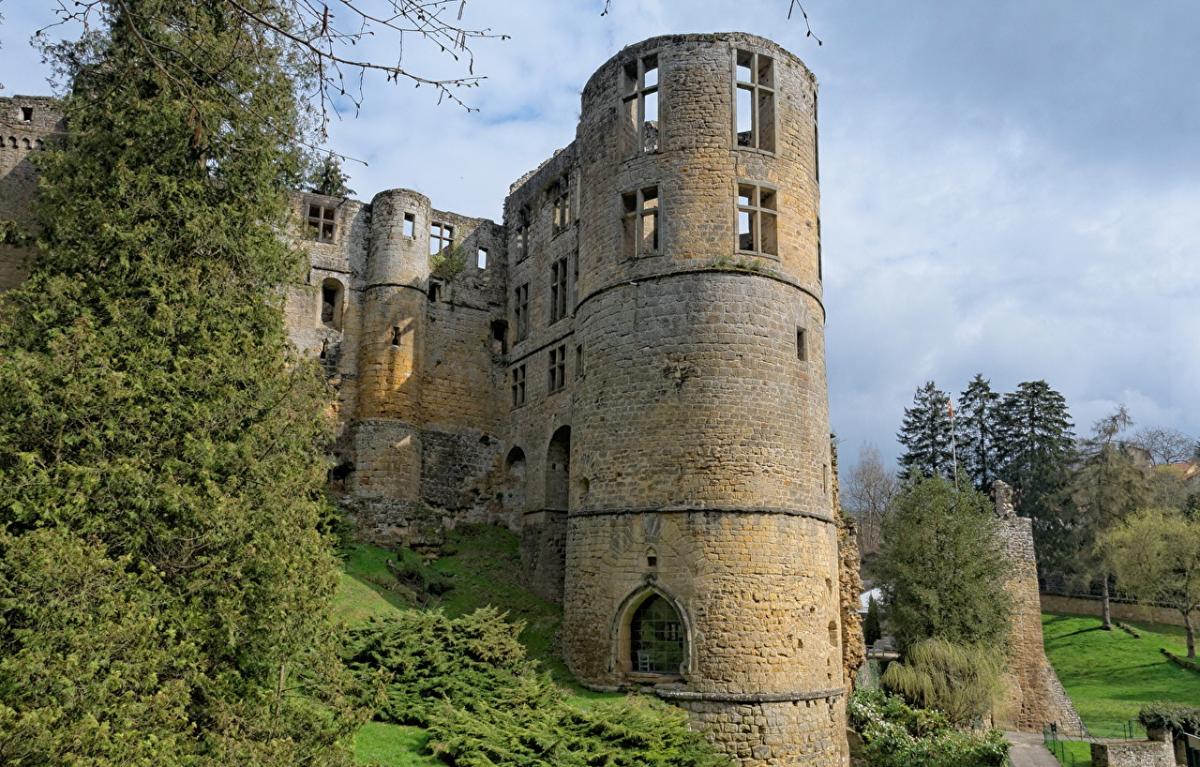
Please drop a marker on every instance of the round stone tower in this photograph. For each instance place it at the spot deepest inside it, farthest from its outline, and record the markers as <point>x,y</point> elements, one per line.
<point>701,555</point>
<point>388,434</point>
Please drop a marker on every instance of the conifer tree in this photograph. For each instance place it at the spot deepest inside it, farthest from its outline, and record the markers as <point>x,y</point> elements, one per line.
<point>975,429</point>
<point>1035,448</point>
<point>163,575</point>
<point>926,435</point>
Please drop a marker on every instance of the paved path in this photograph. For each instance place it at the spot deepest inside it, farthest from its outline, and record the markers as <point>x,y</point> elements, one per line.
<point>1028,750</point>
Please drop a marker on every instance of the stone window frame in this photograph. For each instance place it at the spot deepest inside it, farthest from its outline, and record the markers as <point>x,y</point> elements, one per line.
<point>762,91</point>
<point>802,343</point>
<point>634,213</point>
<point>635,92</point>
<point>410,225</point>
<point>558,289</point>
<point>441,237</point>
<point>322,221</point>
<point>517,378</point>
<point>521,312</point>
<point>556,379</point>
<point>621,633</point>
<point>758,213</point>
<point>521,234</point>
<point>337,306</point>
<point>561,205</point>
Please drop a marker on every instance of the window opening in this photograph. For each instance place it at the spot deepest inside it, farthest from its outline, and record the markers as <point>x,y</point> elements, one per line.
<point>640,99</point>
<point>558,369</point>
<point>395,335</point>
<point>481,259</point>
<point>500,335</point>
<point>640,222</point>
<point>435,291</point>
<point>441,236</point>
<point>558,290</point>
<point>518,386</point>
<point>521,311</point>
<point>757,226</point>
<point>27,114</point>
<point>521,235</point>
<point>410,225</point>
<point>562,204</point>
<point>331,304</point>
<point>754,105</point>
<point>802,344</point>
<point>579,361</point>
<point>321,222</point>
<point>820,257</point>
<point>656,638</point>
<point>558,470</point>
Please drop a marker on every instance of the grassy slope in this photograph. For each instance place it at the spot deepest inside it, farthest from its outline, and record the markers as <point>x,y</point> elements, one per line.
<point>1073,753</point>
<point>483,564</point>
<point>1110,674</point>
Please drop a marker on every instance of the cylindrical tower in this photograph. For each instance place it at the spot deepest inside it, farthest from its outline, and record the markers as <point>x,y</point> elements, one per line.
<point>701,548</point>
<point>388,435</point>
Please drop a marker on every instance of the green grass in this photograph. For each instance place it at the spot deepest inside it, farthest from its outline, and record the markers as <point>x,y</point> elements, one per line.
<point>1072,753</point>
<point>1110,675</point>
<point>483,564</point>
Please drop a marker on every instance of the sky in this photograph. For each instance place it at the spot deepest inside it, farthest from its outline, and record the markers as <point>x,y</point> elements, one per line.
<point>1008,188</point>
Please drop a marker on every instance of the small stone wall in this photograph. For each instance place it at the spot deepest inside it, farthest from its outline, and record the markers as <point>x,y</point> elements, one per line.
<point>1121,611</point>
<point>1133,753</point>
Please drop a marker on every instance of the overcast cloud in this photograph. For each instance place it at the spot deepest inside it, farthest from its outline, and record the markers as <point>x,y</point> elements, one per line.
<point>1010,188</point>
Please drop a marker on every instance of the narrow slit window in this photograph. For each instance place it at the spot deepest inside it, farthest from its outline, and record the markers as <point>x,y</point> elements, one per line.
<point>481,259</point>
<point>757,227</point>
<point>754,102</point>
<point>558,290</point>
<point>396,335</point>
<point>640,100</point>
<point>321,222</point>
<point>801,344</point>
<point>518,386</point>
<point>820,257</point>
<point>441,237</point>
<point>410,225</point>
<point>640,223</point>
<point>562,204</point>
<point>579,361</point>
<point>521,235</point>
<point>521,311</point>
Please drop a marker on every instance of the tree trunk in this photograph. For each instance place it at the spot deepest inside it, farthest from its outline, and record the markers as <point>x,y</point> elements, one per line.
<point>1107,618</point>
<point>1191,634</point>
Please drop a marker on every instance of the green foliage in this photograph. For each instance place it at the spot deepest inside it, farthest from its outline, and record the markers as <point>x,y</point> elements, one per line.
<point>158,434</point>
<point>942,569</point>
<point>961,681</point>
<point>975,431</point>
<point>1155,555</point>
<point>897,735</point>
<point>926,435</point>
<point>1166,715</point>
<point>467,680</point>
<point>448,262</point>
<point>1109,675</point>
<point>327,178</point>
<point>872,630</point>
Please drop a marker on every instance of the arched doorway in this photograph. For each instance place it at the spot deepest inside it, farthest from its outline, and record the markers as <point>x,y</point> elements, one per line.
<point>657,640</point>
<point>514,480</point>
<point>558,470</point>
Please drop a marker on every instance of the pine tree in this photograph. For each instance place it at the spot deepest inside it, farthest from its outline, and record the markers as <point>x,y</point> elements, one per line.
<point>163,576</point>
<point>872,627</point>
<point>1035,448</point>
<point>975,430</point>
<point>926,435</point>
<point>328,178</point>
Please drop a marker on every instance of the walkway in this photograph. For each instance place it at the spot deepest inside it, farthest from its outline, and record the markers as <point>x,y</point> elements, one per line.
<point>1028,750</point>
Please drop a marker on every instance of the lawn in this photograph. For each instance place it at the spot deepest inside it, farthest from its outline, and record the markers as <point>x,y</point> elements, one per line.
<point>482,566</point>
<point>1110,675</point>
<point>1072,753</point>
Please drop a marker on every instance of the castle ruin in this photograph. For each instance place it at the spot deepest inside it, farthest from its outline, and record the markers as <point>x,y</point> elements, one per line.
<point>629,372</point>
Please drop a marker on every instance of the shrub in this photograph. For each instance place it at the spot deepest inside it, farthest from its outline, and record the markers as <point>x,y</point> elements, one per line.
<point>961,681</point>
<point>896,735</point>
<point>1163,715</point>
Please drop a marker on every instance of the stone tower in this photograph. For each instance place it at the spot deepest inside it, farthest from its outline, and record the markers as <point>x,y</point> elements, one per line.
<point>701,549</point>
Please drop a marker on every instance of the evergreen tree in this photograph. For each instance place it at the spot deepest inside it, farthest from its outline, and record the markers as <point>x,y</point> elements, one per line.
<point>872,627</point>
<point>942,569</point>
<point>926,435</point>
<point>975,431</point>
<point>163,578</point>
<point>1035,449</point>
<point>329,179</point>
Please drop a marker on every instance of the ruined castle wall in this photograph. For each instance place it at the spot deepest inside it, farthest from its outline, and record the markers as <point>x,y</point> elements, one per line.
<point>700,462</point>
<point>20,140</point>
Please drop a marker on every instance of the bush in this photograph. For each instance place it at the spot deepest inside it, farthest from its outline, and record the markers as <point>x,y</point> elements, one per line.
<point>961,681</point>
<point>896,735</point>
<point>468,681</point>
<point>1162,715</point>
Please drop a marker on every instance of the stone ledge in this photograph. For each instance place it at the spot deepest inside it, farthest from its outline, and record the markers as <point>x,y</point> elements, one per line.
<point>749,697</point>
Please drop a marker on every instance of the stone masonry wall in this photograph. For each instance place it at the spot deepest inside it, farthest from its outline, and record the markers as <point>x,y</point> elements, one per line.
<point>20,140</point>
<point>1035,696</point>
